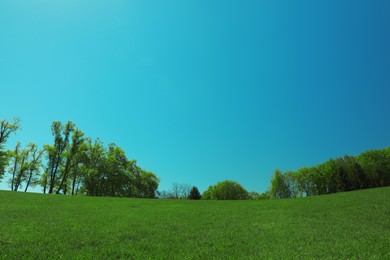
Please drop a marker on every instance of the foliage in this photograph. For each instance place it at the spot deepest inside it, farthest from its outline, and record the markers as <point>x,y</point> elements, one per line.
<point>368,170</point>
<point>75,227</point>
<point>226,190</point>
<point>194,194</point>
<point>74,165</point>
<point>26,164</point>
<point>6,129</point>
<point>108,172</point>
<point>280,186</point>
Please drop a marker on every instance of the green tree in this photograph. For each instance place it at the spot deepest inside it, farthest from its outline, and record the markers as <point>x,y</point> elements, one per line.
<point>108,172</point>
<point>72,159</point>
<point>376,166</point>
<point>226,190</point>
<point>303,181</point>
<point>25,166</point>
<point>149,184</point>
<point>279,186</point>
<point>94,167</point>
<point>194,194</point>
<point>6,129</point>
<point>56,154</point>
<point>34,166</point>
<point>209,194</point>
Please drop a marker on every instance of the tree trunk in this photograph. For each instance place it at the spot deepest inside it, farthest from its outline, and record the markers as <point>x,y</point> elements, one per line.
<point>65,176</point>
<point>29,180</point>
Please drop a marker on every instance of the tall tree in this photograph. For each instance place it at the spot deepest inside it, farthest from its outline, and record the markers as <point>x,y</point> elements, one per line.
<point>55,153</point>
<point>21,167</point>
<point>376,165</point>
<point>6,129</point>
<point>34,166</point>
<point>279,186</point>
<point>71,160</point>
<point>25,166</point>
<point>15,156</point>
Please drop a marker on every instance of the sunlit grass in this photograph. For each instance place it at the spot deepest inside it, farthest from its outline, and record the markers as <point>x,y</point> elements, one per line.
<point>344,225</point>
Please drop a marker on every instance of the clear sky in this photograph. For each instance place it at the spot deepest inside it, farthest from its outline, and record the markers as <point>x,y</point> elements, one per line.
<point>201,91</point>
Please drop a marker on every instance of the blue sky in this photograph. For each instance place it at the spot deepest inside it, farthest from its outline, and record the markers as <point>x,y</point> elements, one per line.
<point>202,91</point>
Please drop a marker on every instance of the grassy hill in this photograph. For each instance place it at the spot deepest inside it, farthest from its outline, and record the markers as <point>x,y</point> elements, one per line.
<point>344,225</point>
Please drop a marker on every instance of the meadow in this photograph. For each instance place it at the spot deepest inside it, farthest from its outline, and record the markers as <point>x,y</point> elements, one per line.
<point>337,226</point>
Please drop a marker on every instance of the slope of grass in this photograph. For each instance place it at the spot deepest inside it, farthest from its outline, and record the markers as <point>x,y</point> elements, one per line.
<point>344,225</point>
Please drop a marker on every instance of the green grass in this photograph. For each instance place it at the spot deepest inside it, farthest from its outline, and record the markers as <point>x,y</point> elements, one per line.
<point>341,226</point>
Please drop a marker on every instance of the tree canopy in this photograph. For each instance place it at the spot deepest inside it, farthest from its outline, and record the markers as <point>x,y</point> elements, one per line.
<point>370,169</point>
<point>226,190</point>
<point>74,164</point>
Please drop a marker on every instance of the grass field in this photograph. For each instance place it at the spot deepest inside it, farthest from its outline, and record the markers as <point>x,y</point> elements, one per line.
<point>344,225</point>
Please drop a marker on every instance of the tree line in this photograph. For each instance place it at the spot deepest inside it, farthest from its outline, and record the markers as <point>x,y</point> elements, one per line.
<point>370,169</point>
<point>73,164</point>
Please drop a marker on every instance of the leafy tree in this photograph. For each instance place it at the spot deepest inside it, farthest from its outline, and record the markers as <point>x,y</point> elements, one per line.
<point>376,165</point>
<point>25,166</point>
<point>93,168</point>
<point>291,185</point>
<point>226,190</point>
<point>15,156</point>
<point>108,172</point>
<point>209,194</point>
<point>279,186</point>
<point>194,194</point>
<point>72,159</point>
<point>34,166</point>
<point>143,184</point>
<point>307,180</point>
<point>55,154</point>
<point>369,169</point>
<point>6,129</point>
<point>149,184</point>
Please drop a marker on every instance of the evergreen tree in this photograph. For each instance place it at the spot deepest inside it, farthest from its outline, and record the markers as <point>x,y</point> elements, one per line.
<point>194,194</point>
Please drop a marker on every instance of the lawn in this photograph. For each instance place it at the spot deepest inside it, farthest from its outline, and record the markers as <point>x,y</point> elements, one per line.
<point>340,226</point>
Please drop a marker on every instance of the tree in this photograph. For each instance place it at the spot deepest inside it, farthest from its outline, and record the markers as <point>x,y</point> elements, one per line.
<point>25,166</point>
<point>279,186</point>
<point>194,194</point>
<point>185,190</point>
<point>304,181</point>
<point>376,166</point>
<point>209,194</point>
<point>226,190</point>
<point>72,159</point>
<point>108,172</point>
<point>94,167</point>
<point>34,166</point>
<point>55,154</point>
<point>6,129</point>
<point>15,157</point>
<point>175,190</point>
